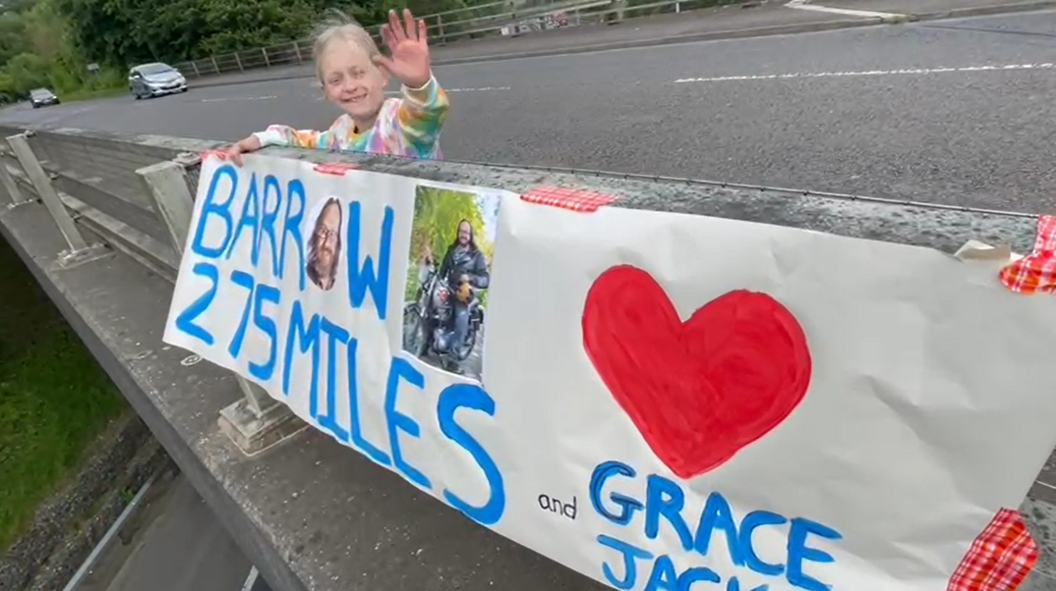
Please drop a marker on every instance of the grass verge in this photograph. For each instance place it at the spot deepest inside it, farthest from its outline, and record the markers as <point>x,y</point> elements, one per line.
<point>87,94</point>
<point>54,398</point>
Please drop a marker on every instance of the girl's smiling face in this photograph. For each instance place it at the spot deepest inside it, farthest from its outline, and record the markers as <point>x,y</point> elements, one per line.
<point>352,81</point>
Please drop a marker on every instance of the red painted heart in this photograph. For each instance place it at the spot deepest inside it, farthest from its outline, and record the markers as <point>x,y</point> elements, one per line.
<point>701,390</point>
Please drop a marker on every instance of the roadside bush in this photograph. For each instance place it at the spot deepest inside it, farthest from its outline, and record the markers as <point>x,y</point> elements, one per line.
<point>23,73</point>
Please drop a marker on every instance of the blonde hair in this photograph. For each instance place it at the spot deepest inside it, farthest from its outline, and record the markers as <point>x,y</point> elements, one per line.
<point>340,26</point>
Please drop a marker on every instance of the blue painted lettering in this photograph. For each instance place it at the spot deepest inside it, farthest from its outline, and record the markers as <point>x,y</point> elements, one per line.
<point>304,337</point>
<point>473,397</point>
<point>749,524</point>
<point>362,279</point>
<point>718,515</point>
<point>291,229</point>
<point>212,208</point>
<point>663,577</point>
<point>402,370</point>
<point>185,321</point>
<point>735,585</point>
<point>627,505</point>
<point>665,498</point>
<point>798,552</point>
<point>354,424</point>
<point>266,324</point>
<point>665,501</point>
<point>335,336</point>
<point>245,281</point>
<point>267,222</point>
<point>698,574</point>
<point>631,555</point>
<point>250,219</point>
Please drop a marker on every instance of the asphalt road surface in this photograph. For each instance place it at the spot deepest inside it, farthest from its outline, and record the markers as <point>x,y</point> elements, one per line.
<point>956,111</point>
<point>173,543</point>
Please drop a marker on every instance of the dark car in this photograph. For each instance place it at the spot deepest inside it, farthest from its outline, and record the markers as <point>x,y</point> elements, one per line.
<point>155,79</point>
<point>42,97</point>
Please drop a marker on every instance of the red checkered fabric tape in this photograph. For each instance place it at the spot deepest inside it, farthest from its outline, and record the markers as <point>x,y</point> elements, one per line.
<point>574,199</point>
<point>221,154</point>
<point>1036,272</point>
<point>335,168</point>
<point>1000,558</point>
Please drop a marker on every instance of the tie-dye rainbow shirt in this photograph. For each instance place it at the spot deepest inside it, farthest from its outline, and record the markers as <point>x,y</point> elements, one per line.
<point>408,126</point>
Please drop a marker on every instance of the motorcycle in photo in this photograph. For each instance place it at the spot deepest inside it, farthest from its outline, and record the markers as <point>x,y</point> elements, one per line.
<point>428,320</point>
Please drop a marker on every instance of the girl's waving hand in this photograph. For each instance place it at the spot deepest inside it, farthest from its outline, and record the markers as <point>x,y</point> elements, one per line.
<point>409,49</point>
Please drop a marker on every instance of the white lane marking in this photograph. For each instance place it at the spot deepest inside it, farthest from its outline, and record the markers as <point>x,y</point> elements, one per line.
<point>238,98</point>
<point>803,5</point>
<point>899,72</point>
<point>482,89</point>
<point>108,537</point>
<point>251,579</point>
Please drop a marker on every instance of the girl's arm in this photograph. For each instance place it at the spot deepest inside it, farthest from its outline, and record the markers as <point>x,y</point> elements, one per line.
<point>422,113</point>
<point>285,136</point>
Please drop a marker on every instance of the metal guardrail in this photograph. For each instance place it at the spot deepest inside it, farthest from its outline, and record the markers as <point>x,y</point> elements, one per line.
<point>454,25</point>
<point>95,180</point>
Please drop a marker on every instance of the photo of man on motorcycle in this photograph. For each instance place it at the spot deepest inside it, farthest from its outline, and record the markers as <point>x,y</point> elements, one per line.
<point>447,315</point>
<point>466,270</point>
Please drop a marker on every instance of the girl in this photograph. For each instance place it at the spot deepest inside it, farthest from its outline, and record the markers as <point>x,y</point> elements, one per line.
<point>354,76</point>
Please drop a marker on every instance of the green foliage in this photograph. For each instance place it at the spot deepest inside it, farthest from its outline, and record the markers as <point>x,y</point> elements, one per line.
<point>51,42</point>
<point>437,213</point>
<point>54,398</point>
<point>35,52</point>
<point>125,32</point>
<point>26,71</point>
<point>13,39</point>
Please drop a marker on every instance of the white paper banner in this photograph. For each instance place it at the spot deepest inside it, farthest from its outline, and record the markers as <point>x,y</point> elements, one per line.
<point>669,402</point>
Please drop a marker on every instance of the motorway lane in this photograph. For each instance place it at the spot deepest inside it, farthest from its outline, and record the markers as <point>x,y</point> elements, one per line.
<point>950,131</point>
<point>174,542</point>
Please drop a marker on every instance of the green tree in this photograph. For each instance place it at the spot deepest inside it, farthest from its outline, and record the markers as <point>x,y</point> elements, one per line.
<point>123,32</point>
<point>12,35</point>
<point>51,42</point>
<point>26,71</point>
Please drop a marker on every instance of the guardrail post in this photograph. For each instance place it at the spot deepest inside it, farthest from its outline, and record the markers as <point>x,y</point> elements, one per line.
<point>194,66</point>
<point>79,250</point>
<point>297,50</point>
<point>256,421</point>
<point>10,186</point>
<point>440,27</point>
<point>238,61</point>
<point>167,185</point>
<point>264,52</point>
<point>216,67</point>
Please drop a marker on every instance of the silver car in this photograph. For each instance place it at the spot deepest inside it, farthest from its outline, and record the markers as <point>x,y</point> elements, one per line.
<point>42,97</point>
<point>156,79</point>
